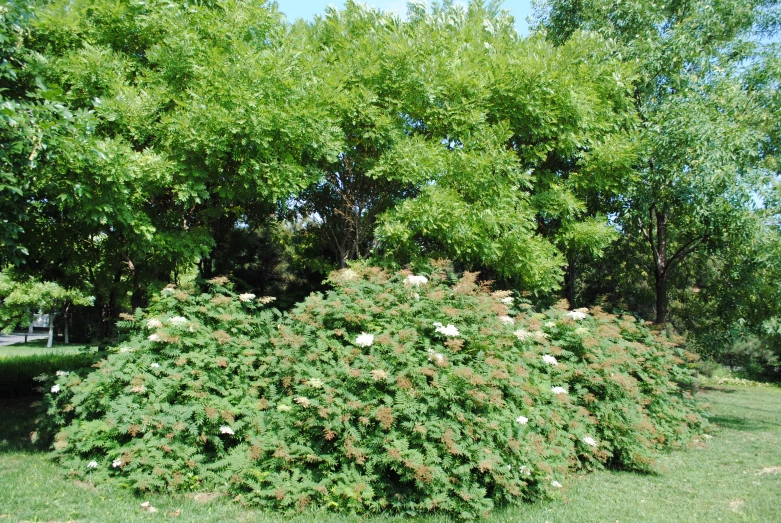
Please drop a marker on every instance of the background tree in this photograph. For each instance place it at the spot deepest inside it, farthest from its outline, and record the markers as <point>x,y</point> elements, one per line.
<point>20,298</point>
<point>702,125</point>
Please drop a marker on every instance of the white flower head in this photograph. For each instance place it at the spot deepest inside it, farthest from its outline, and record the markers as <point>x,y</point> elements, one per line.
<point>41,377</point>
<point>55,389</point>
<point>316,383</point>
<point>523,420</point>
<point>576,315</point>
<point>550,324</point>
<point>555,483</point>
<point>415,281</point>
<point>178,321</point>
<point>526,470</point>
<point>116,463</point>
<point>167,290</point>
<point>508,300</point>
<point>246,297</point>
<point>155,365</point>
<point>438,357</point>
<point>591,442</point>
<point>450,330</point>
<point>152,337</point>
<point>348,275</point>
<point>559,390</point>
<point>522,334</point>
<point>507,320</point>
<point>364,340</point>
<point>539,335</point>
<point>62,373</point>
<point>226,430</point>
<point>550,360</point>
<point>154,323</point>
<point>284,408</point>
<point>92,464</point>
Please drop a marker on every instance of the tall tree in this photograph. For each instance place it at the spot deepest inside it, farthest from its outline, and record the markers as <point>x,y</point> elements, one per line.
<point>463,140</point>
<point>190,120</point>
<point>702,126</point>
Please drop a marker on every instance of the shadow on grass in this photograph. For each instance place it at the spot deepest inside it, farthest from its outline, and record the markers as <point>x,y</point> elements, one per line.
<point>716,388</point>
<point>740,423</point>
<point>17,421</point>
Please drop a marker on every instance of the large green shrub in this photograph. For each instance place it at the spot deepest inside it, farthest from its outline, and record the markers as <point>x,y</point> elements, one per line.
<point>391,391</point>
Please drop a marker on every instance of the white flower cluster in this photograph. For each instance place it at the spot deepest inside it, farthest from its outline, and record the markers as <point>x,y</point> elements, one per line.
<point>555,483</point>
<point>438,357</point>
<point>154,323</point>
<point>559,390</point>
<point>507,320</point>
<point>116,463</point>
<point>523,420</point>
<point>62,373</point>
<point>591,442</point>
<point>178,321</point>
<point>550,360</point>
<point>364,340</point>
<point>450,330</point>
<point>415,281</point>
<point>167,290</point>
<point>576,315</point>
<point>226,430</point>
<point>152,337</point>
<point>508,300</point>
<point>155,365</point>
<point>524,335</point>
<point>92,464</point>
<point>55,389</point>
<point>246,297</point>
<point>316,383</point>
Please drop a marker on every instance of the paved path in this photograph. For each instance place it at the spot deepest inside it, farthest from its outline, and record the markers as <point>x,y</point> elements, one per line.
<point>10,339</point>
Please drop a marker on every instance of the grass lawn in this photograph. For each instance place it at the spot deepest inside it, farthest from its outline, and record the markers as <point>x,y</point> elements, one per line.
<point>38,348</point>
<point>733,476</point>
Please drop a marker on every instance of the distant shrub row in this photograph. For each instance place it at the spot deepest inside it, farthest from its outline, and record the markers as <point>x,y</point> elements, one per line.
<point>19,373</point>
<point>395,392</point>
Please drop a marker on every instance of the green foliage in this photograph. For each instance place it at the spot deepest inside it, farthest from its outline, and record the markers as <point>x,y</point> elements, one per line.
<point>704,94</point>
<point>390,392</point>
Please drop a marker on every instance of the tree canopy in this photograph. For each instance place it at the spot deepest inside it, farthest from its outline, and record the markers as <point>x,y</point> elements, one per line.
<point>605,157</point>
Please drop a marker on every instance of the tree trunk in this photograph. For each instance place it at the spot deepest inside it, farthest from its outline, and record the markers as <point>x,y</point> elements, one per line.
<point>51,330</point>
<point>661,267</point>
<point>661,298</point>
<point>30,327</point>
<point>67,308</point>
<point>571,283</point>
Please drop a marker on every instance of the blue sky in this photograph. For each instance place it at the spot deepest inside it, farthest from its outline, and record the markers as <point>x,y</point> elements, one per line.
<point>308,8</point>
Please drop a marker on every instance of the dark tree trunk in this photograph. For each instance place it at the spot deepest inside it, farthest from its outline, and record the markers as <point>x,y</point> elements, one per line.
<point>571,283</point>
<point>67,318</point>
<point>661,267</point>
